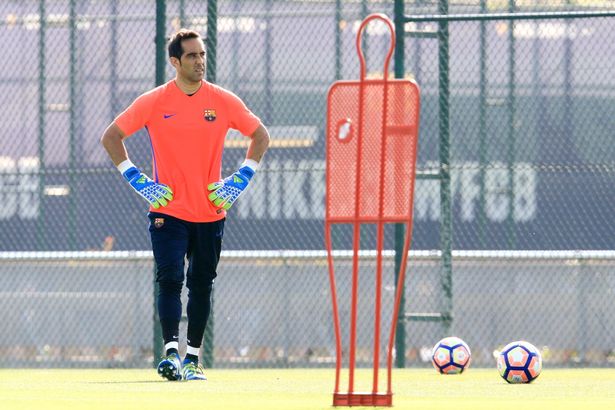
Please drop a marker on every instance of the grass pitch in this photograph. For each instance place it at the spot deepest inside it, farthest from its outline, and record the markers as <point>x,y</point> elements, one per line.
<point>108,389</point>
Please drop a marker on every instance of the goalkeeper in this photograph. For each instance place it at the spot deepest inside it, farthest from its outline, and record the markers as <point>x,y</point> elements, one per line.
<point>187,120</point>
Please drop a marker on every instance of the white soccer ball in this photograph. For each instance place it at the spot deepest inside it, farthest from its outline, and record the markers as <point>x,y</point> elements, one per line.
<point>451,355</point>
<point>519,362</point>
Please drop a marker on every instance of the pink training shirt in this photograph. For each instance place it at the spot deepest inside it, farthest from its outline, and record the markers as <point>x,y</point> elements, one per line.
<point>187,135</point>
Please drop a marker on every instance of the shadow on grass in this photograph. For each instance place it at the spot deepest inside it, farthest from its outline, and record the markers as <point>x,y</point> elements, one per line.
<point>132,382</point>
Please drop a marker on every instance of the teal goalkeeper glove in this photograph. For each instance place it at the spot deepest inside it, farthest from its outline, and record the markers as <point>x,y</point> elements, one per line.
<point>154,193</point>
<point>226,192</point>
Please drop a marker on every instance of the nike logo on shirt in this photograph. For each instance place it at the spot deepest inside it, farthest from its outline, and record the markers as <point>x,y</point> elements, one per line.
<point>168,116</point>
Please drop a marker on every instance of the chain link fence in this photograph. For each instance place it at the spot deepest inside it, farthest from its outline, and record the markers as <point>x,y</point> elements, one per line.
<point>531,165</point>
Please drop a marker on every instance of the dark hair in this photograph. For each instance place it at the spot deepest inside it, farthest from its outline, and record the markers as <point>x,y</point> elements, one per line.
<point>175,43</point>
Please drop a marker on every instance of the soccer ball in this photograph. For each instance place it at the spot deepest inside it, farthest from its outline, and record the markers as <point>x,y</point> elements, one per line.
<point>451,355</point>
<point>519,362</point>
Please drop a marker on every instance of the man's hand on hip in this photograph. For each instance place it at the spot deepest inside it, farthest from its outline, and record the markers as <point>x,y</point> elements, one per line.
<point>156,194</point>
<point>225,193</point>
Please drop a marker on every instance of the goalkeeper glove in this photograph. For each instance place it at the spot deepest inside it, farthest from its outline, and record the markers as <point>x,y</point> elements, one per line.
<point>154,193</point>
<point>225,192</point>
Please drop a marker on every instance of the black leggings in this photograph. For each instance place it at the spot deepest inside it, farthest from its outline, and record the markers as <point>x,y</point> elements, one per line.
<point>173,240</point>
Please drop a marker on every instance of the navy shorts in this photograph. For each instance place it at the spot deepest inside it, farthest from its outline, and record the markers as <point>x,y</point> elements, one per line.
<point>174,239</point>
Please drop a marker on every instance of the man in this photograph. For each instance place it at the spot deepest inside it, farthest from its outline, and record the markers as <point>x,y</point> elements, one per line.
<point>187,120</point>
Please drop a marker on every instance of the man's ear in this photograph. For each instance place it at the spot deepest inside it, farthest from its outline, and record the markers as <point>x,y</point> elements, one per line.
<point>175,62</point>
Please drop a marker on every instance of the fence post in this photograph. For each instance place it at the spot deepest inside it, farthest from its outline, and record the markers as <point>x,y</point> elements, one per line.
<point>482,150</point>
<point>446,222</point>
<point>211,46</point>
<point>73,106</point>
<point>400,332</point>
<point>512,135</point>
<point>40,223</point>
<point>160,78</point>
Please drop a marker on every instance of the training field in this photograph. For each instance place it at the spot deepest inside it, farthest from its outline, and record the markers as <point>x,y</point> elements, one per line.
<point>298,389</point>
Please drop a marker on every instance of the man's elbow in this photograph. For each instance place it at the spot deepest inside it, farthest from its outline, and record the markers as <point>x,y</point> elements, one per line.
<point>263,137</point>
<point>103,139</point>
<point>266,140</point>
<point>110,136</point>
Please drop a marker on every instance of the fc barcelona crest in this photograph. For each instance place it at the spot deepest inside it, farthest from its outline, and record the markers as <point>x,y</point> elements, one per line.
<point>209,114</point>
<point>158,222</point>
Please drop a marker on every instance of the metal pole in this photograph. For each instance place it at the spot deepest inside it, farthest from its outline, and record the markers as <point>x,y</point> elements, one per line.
<point>400,331</point>
<point>212,40</point>
<point>338,76</point>
<point>113,61</point>
<point>161,17</point>
<point>364,42</point>
<point>482,150</point>
<point>182,13</point>
<point>338,40</point>
<point>40,227</point>
<point>509,16</point>
<point>568,120</point>
<point>267,54</point>
<point>234,72</point>
<point>538,86</point>
<point>416,60</point>
<point>584,276</point>
<point>160,64</point>
<point>512,103</point>
<point>212,46</point>
<point>446,222</point>
<point>73,85</point>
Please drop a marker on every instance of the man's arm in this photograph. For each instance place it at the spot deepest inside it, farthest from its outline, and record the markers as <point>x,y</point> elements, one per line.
<point>112,140</point>
<point>259,144</point>
<point>156,194</point>
<point>226,192</point>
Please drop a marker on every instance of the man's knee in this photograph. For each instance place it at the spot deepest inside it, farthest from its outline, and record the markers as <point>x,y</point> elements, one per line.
<point>166,287</point>
<point>203,287</point>
<point>170,273</point>
<point>170,279</point>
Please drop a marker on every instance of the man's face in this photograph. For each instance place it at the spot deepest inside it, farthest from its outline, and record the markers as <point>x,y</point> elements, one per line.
<point>191,67</point>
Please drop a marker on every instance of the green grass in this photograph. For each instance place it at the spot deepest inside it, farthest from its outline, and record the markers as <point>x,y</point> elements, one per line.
<point>312,389</point>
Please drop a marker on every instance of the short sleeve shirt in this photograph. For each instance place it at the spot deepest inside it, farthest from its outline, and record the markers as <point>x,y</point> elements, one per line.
<point>187,135</point>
